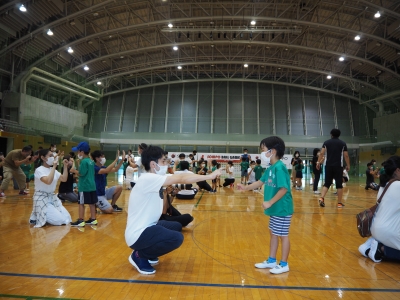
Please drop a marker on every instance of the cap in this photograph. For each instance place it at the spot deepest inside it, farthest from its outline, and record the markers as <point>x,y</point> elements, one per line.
<point>82,146</point>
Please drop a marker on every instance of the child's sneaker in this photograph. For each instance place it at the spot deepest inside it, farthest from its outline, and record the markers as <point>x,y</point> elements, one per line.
<point>364,248</point>
<point>78,223</point>
<point>141,264</point>
<point>91,221</point>
<point>265,265</point>
<point>2,195</point>
<point>317,192</point>
<point>23,193</point>
<point>153,261</point>
<point>279,269</point>
<point>321,202</point>
<point>340,205</point>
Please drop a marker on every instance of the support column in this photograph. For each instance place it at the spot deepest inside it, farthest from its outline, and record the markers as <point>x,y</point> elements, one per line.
<point>351,118</point>
<point>197,108</point>
<point>258,109</point>
<point>152,110</point>
<point>273,111</point>
<point>183,98</point>
<point>303,102</point>
<point>121,118</point>
<point>137,111</point>
<point>212,107</point>
<point>106,117</point>
<point>289,123</point>
<point>227,107</point>
<point>334,111</point>
<point>321,132</point>
<point>242,108</point>
<point>166,111</point>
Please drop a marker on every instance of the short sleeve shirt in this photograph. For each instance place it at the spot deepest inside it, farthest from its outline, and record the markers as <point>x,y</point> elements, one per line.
<point>40,185</point>
<point>244,165</point>
<point>68,186</point>
<point>86,176</point>
<point>334,149</point>
<point>275,178</point>
<point>145,206</point>
<point>11,157</point>
<point>101,181</point>
<point>258,172</point>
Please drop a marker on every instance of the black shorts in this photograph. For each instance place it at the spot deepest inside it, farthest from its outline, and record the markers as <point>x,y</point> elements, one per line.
<point>299,174</point>
<point>333,173</point>
<point>87,197</point>
<point>345,179</point>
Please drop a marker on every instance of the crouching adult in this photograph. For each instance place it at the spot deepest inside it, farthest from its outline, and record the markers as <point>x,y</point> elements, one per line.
<point>170,213</point>
<point>145,233</point>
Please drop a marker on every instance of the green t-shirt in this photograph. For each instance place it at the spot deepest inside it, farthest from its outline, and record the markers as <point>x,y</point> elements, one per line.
<point>26,169</point>
<point>86,176</point>
<point>299,167</point>
<point>258,170</point>
<point>244,165</point>
<point>213,168</point>
<point>275,178</point>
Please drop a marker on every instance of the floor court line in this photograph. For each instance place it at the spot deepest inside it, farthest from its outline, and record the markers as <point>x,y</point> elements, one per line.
<point>200,284</point>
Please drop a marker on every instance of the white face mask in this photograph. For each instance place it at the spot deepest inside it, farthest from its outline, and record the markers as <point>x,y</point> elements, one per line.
<point>80,156</point>
<point>103,160</point>
<point>55,149</point>
<point>162,171</point>
<point>50,161</point>
<point>266,160</point>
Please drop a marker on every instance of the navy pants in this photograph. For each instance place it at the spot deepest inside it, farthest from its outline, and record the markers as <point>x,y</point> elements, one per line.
<point>391,253</point>
<point>317,175</point>
<point>159,239</point>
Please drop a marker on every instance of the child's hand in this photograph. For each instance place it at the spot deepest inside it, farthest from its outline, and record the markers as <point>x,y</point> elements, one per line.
<point>266,205</point>
<point>216,173</point>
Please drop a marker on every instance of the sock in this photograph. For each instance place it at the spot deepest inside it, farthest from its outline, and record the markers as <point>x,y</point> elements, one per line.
<point>271,260</point>
<point>367,251</point>
<point>283,263</point>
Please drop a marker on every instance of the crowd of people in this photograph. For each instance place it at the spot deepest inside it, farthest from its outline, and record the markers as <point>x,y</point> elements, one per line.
<point>154,225</point>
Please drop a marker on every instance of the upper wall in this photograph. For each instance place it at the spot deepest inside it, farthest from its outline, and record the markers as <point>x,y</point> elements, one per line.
<point>227,108</point>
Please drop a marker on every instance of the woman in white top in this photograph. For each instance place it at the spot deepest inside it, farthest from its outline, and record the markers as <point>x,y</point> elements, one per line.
<point>130,172</point>
<point>138,163</point>
<point>47,208</point>
<point>231,177</point>
<point>385,228</point>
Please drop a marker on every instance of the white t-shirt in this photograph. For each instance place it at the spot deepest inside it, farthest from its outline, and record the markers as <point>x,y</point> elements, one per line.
<point>129,174</point>
<point>145,206</point>
<point>252,175</point>
<point>41,186</point>
<point>385,226</point>
<point>183,172</point>
<point>230,174</point>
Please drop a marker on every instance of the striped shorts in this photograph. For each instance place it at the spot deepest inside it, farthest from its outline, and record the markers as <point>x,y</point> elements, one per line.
<point>280,225</point>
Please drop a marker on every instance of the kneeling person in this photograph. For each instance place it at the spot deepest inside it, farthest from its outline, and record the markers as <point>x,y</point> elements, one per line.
<point>100,177</point>
<point>149,237</point>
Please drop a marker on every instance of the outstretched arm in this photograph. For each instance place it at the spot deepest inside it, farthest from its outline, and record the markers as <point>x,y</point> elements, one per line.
<point>190,178</point>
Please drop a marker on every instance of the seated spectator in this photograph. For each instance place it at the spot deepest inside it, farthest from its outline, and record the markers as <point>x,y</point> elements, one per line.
<point>231,177</point>
<point>385,228</point>
<point>202,170</point>
<point>47,208</point>
<point>371,174</point>
<point>250,173</point>
<point>170,213</point>
<point>100,177</point>
<point>66,189</point>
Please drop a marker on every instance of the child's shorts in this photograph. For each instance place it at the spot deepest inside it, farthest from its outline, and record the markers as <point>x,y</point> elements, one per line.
<point>299,174</point>
<point>345,179</point>
<point>280,225</point>
<point>87,197</point>
<point>243,173</point>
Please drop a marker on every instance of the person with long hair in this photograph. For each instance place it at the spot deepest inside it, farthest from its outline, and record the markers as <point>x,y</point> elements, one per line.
<point>385,228</point>
<point>47,207</point>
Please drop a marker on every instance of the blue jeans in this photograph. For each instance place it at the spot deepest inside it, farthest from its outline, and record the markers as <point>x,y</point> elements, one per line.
<point>159,239</point>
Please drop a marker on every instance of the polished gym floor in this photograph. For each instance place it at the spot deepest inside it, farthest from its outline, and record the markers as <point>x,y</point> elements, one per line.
<point>216,261</point>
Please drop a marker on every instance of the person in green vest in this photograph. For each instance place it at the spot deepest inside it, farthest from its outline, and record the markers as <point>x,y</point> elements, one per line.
<point>26,168</point>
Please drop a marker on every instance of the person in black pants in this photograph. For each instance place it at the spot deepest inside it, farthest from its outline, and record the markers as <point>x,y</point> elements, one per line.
<point>335,150</point>
<point>202,170</point>
<point>170,213</point>
<point>317,172</point>
<point>66,189</point>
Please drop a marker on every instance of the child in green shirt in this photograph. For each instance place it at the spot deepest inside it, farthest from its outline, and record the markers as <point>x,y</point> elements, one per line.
<point>278,202</point>
<point>258,170</point>
<point>26,168</point>
<point>244,165</point>
<point>86,186</point>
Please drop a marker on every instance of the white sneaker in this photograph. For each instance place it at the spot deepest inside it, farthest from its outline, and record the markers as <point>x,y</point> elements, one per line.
<point>300,188</point>
<point>364,247</point>
<point>265,265</point>
<point>373,250</point>
<point>297,187</point>
<point>279,269</point>
<point>317,192</point>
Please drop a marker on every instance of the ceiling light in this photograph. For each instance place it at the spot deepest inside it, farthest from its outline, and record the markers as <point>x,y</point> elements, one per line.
<point>341,58</point>
<point>49,32</point>
<point>378,44</point>
<point>179,67</point>
<point>286,49</point>
<point>95,14</point>
<point>98,82</point>
<point>212,46</point>
<point>398,52</point>
<point>103,61</point>
<point>175,48</point>
<point>377,15</point>
<point>378,71</point>
<point>70,50</point>
<point>86,68</point>
<point>121,56</point>
<point>357,37</point>
<point>245,65</point>
<point>329,77</point>
<point>212,65</point>
<point>279,68</point>
<point>170,25</point>
<point>22,8</point>
<point>72,23</point>
<point>253,22</point>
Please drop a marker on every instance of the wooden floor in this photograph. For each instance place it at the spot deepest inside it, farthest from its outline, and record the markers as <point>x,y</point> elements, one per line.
<point>216,261</point>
